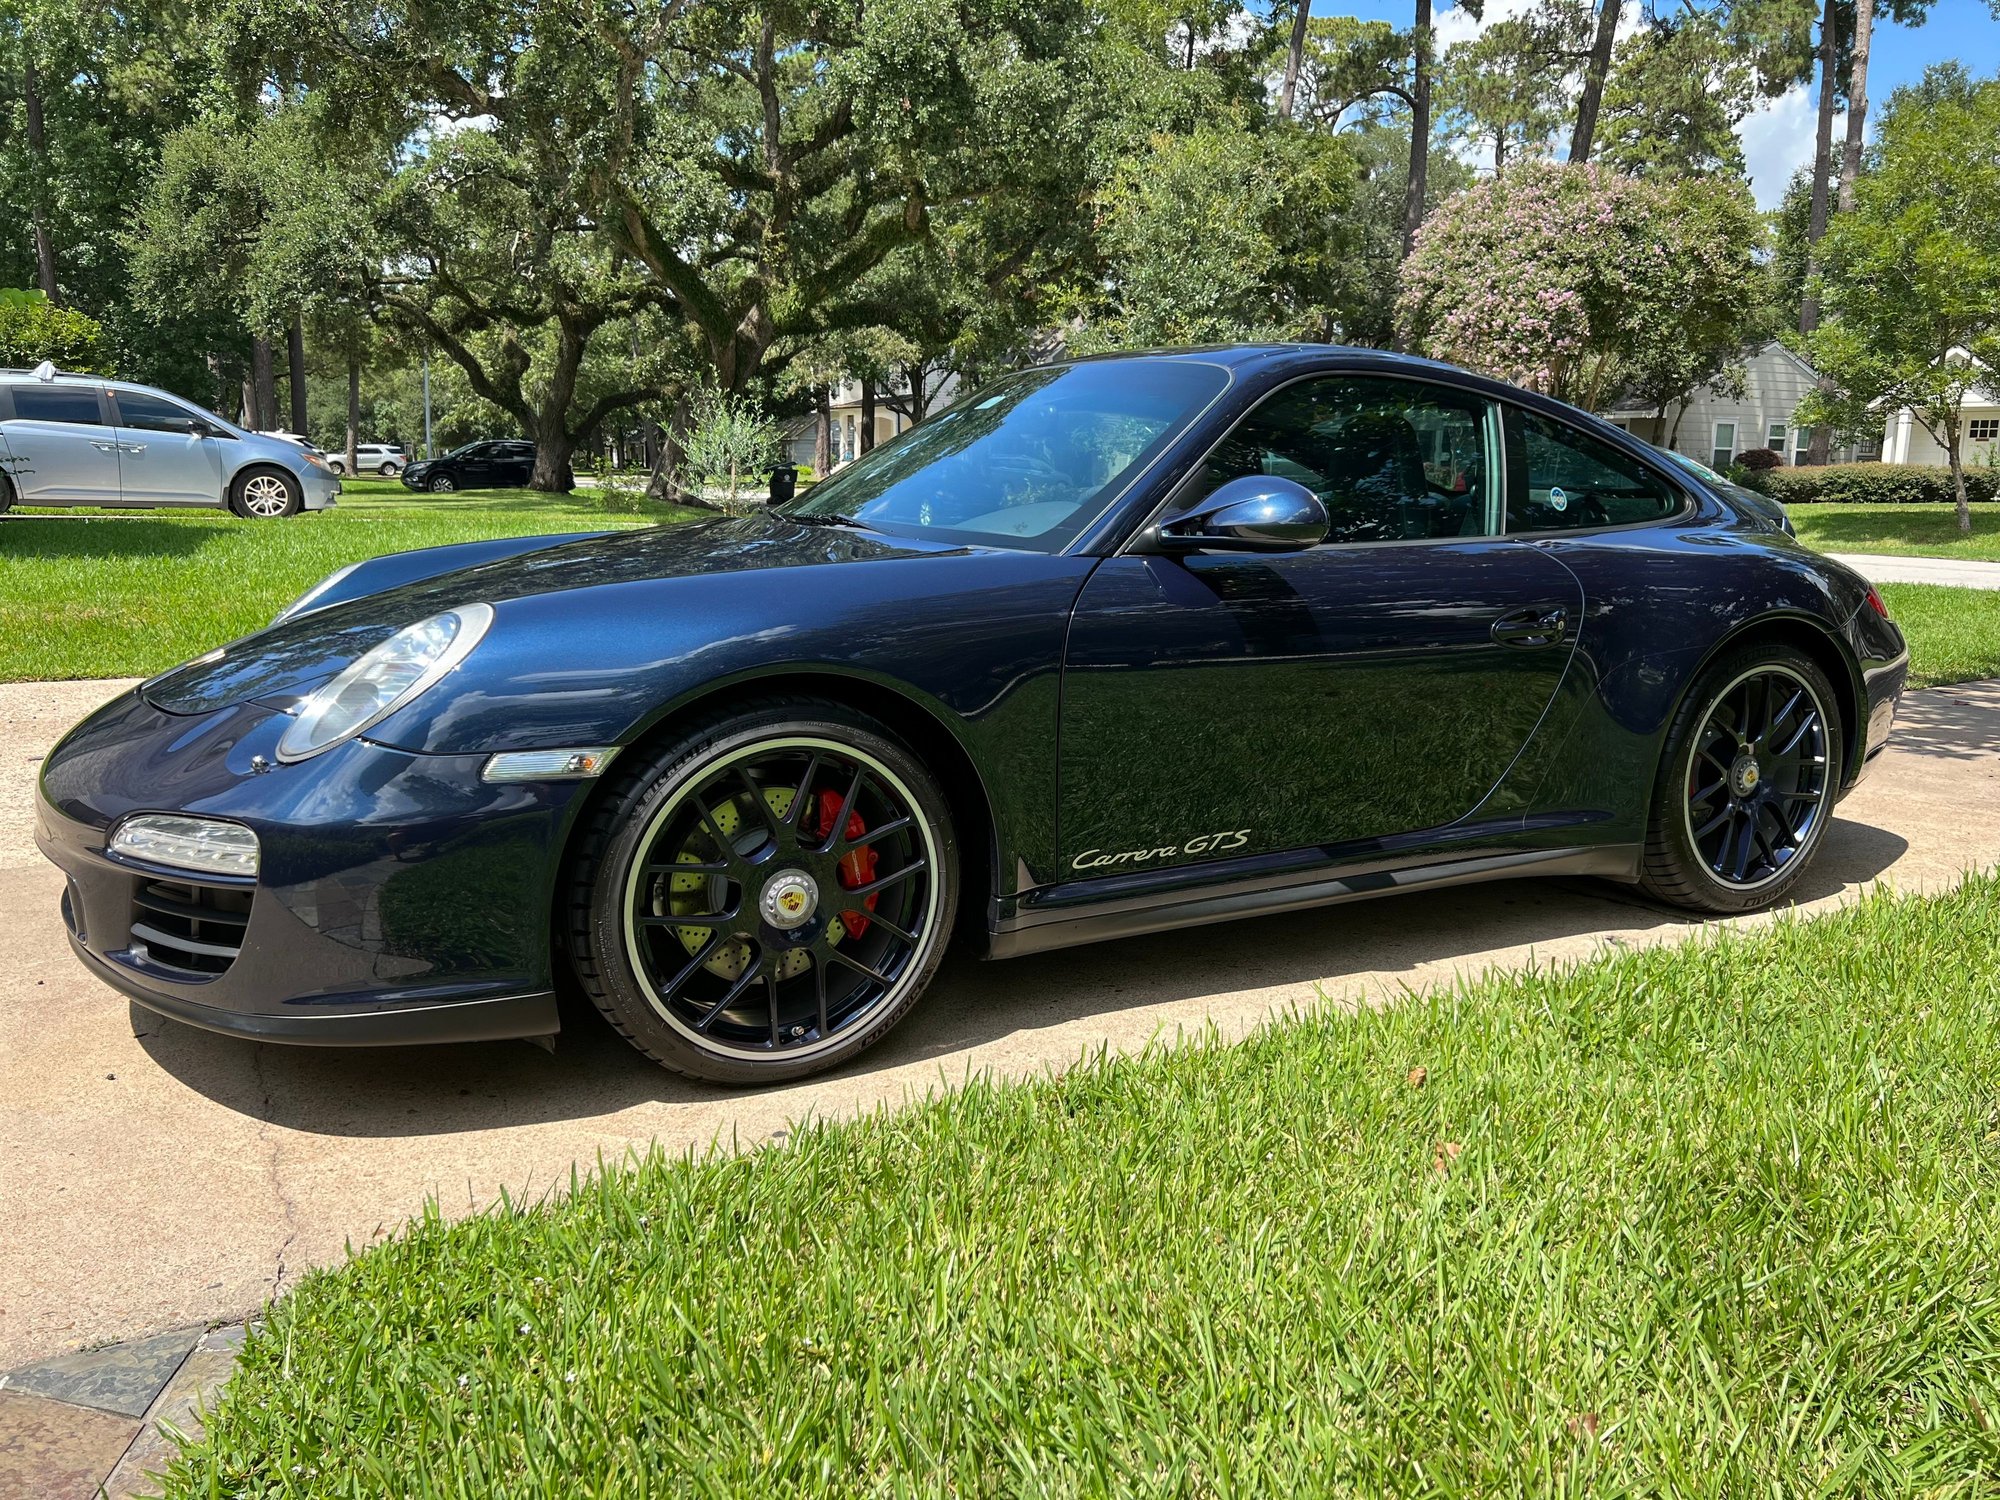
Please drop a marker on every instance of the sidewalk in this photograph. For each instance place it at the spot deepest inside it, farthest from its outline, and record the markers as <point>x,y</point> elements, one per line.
<point>1953,572</point>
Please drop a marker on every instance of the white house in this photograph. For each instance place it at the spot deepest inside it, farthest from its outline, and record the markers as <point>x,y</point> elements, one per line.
<point>1909,442</point>
<point>845,413</point>
<point>1716,427</point>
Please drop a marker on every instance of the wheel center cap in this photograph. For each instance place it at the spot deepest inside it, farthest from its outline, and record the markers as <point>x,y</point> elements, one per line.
<point>789,900</point>
<point>1745,775</point>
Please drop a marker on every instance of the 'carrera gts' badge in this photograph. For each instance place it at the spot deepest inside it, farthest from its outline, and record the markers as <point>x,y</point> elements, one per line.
<point>1207,843</point>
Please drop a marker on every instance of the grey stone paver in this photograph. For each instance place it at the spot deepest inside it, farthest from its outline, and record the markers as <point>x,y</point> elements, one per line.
<point>124,1379</point>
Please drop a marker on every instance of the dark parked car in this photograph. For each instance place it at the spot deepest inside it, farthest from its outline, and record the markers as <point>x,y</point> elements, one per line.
<point>1109,648</point>
<point>491,464</point>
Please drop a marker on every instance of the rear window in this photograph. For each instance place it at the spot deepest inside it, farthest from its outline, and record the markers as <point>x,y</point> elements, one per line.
<point>56,403</point>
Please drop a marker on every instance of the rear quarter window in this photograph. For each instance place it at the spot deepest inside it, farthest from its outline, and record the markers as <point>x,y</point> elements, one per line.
<point>1563,479</point>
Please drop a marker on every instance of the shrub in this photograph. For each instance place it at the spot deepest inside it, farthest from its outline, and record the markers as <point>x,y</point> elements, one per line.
<point>1755,459</point>
<point>1871,484</point>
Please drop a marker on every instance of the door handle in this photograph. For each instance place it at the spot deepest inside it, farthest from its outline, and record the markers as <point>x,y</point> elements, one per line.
<point>103,447</point>
<point>132,447</point>
<point>1542,625</point>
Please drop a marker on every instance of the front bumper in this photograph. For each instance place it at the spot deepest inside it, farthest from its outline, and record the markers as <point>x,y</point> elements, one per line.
<point>321,488</point>
<point>399,899</point>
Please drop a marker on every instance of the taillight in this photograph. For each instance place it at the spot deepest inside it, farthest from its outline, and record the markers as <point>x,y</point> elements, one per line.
<point>1875,602</point>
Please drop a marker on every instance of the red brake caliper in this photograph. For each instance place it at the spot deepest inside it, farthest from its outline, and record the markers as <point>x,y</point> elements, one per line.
<point>857,866</point>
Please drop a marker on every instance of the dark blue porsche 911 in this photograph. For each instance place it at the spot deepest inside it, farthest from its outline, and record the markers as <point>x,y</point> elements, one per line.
<point>1109,647</point>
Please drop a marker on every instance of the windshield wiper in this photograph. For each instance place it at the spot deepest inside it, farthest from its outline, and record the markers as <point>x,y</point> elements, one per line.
<point>815,520</point>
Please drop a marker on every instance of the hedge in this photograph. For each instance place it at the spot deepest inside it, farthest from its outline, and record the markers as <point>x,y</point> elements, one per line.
<point>1870,484</point>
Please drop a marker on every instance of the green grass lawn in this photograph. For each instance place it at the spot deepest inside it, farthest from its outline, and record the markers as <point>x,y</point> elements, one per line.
<point>1908,530</point>
<point>1706,1220</point>
<point>112,594</point>
<point>1954,634</point>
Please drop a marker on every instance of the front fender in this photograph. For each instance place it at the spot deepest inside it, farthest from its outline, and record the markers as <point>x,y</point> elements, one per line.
<point>373,575</point>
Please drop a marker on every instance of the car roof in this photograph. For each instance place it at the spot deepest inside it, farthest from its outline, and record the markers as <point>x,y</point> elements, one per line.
<point>93,382</point>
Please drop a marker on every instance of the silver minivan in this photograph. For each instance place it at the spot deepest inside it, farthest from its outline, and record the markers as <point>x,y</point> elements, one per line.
<point>81,440</point>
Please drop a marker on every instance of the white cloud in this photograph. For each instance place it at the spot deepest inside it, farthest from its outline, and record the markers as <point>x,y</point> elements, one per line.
<point>1778,140</point>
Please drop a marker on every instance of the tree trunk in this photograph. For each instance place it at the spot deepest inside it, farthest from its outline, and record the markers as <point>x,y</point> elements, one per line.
<point>38,152</point>
<point>822,430</point>
<point>866,437</point>
<point>263,386</point>
<point>1857,102</point>
<point>353,413</point>
<point>553,448</point>
<point>1500,154</point>
<point>1420,127</point>
<point>295,372</point>
<point>1294,58</point>
<point>1822,169</point>
<point>1584,136</point>
<point>1957,462</point>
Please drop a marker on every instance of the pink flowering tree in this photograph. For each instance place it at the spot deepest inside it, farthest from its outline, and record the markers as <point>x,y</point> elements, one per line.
<point>1581,282</point>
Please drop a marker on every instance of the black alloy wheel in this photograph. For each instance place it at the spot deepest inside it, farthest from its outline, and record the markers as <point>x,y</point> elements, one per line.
<point>765,897</point>
<point>1754,767</point>
<point>440,484</point>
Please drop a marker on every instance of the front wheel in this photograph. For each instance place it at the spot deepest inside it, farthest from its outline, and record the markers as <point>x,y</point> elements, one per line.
<point>440,484</point>
<point>264,494</point>
<point>1748,784</point>
<point>765,896</point>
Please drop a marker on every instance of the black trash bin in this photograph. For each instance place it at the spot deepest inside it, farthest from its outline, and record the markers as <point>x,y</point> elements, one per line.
<point>784,483</point>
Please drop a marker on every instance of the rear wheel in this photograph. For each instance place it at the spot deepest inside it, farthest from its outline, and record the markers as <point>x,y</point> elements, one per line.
<point>6,494</point>
<point>264,494</point>
<point>767,895</point>
<point>388,471</point>
<point>1753,764</point>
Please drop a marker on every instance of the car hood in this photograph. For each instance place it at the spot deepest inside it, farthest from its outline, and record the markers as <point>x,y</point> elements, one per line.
<point>292,658</point>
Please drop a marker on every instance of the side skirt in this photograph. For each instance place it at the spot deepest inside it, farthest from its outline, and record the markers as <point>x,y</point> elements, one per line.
<point>1038,932</point>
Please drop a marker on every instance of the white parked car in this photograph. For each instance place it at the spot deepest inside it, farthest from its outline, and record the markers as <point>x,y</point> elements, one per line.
<point>82,440</point>
<point>371,458</point>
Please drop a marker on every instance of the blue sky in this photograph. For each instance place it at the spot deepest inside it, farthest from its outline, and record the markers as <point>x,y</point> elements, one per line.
<point>1778,139</point>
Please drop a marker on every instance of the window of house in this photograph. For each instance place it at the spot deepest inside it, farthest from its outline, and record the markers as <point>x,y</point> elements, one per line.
<point>1774,437</point>
<point>1983,429</point>
<point>1802,441</point>
<point>1722,452</point>
<point>1559,479</point>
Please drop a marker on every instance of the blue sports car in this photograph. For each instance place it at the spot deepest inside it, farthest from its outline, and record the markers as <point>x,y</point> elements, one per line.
<point>1111,646</point>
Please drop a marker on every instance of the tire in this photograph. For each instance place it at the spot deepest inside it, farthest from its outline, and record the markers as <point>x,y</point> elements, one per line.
<point>440,484</point>
<point>745,970</point>
<point>388,471</point>
<point>339,466</point>
<point>1747,784</point>
<point>6,494</point>
<point>265,494</point>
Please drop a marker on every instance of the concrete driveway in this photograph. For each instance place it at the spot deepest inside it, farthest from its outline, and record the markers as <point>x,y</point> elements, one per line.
<point>152,1175</point>
<point>1953,572</point>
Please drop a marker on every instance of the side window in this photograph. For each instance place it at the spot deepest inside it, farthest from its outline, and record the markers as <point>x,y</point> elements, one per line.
<point>1392,460</point>
<point>152,413</point>
<point>56,403</point>
<point>1560,479</point>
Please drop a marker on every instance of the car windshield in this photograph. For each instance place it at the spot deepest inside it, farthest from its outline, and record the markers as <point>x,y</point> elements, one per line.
<point>1027,462</point>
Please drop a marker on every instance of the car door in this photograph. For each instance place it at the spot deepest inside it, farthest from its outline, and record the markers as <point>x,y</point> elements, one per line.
<point>518,463</point>
<point>163,456</point>
<point>1377,684</point>
<point>475,469</point>
<point>63,451</point>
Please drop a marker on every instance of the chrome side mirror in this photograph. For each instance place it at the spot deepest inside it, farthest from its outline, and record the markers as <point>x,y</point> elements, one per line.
<point>1256,513</point>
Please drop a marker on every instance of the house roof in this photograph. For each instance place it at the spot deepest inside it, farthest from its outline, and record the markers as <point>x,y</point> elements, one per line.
<point>1628,405</point>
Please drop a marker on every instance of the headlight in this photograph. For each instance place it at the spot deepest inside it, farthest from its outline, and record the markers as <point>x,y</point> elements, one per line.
<point>385,679</point>
<point>187,843</point>
<point>315,460</point>
<point>305,601</point>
